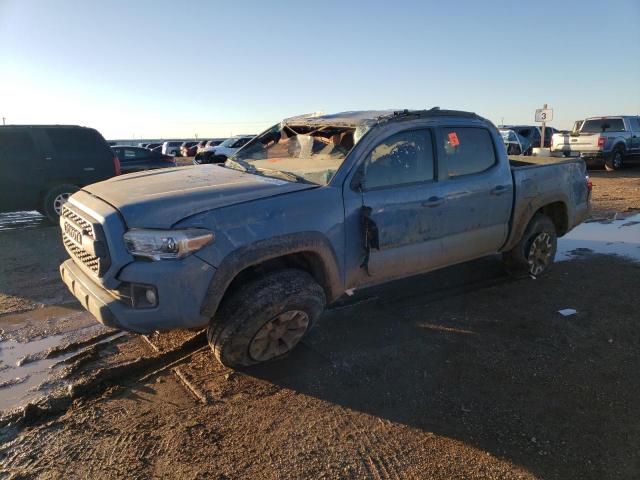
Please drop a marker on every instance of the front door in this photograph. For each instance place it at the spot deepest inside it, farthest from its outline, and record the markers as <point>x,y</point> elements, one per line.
<point>399,208</point>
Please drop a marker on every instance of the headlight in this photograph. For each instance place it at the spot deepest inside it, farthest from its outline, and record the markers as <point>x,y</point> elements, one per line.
<point>166,244</point>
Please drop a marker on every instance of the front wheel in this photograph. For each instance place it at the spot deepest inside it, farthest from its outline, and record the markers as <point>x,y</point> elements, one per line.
<point>535,252</point>
<point>265,318</point>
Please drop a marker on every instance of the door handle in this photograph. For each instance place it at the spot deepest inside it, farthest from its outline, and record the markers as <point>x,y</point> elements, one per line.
<point>499,189</point>
<point>433,202</point>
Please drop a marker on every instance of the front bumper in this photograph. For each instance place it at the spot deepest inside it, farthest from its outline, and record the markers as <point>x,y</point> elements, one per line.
<point>181,287</point>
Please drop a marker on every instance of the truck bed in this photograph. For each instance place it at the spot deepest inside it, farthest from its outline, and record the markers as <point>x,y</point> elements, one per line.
<point>544,180</point>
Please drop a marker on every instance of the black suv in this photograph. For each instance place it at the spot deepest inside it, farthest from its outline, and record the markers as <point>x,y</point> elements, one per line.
<point>42,165</point>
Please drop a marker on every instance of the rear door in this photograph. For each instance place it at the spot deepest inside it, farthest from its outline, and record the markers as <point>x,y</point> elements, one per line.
<point>479,193</point>
<point>78,155</point>
<point>21,170</point>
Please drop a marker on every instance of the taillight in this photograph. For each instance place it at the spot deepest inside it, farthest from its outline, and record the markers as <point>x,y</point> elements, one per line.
<point>589,183</point>
<point>116,164</point>
<point>601,141</point>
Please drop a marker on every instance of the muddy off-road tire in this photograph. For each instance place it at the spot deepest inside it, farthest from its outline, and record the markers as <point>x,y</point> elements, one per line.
<point>615,161</point>
<point>535,252</point>
<point>265,318</point>
<point>54,199</point>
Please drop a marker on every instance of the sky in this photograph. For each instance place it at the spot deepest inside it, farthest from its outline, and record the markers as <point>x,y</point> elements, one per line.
<point>176,69</point>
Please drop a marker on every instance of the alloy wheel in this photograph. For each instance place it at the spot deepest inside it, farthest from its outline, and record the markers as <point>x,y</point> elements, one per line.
<point>278,335</point>
<point>59,201</point>
<point>540,253</point>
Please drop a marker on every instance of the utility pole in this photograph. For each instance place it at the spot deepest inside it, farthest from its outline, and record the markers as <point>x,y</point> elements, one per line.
<point>3,119</point>
<point>502,121</point>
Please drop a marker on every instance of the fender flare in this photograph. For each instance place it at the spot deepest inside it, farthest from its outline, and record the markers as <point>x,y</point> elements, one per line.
<point>258,252</point>
<point>527,213</point>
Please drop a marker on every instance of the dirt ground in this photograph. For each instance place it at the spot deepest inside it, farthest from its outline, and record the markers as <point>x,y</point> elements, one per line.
<point>462,373</point>
<point>619,192</point>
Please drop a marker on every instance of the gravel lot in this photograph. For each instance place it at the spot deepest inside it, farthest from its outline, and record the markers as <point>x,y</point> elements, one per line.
<point>462,373</point>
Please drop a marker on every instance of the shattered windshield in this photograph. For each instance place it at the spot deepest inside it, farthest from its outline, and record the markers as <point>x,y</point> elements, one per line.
<point>296,153</point>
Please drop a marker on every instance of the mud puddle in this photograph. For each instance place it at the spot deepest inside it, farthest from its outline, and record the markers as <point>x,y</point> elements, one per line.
<point>34,346</point>
<point>18,384</point>
<point>21,220</point>
<point>617,236</point>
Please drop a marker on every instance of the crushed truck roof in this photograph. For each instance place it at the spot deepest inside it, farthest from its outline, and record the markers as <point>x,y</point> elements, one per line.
<point>368,117</point>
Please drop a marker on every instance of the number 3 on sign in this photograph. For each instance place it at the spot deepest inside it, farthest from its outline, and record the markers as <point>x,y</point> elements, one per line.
<point>544,115</point>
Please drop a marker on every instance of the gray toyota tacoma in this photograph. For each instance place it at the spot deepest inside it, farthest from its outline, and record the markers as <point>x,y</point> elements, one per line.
<point>254,249</point>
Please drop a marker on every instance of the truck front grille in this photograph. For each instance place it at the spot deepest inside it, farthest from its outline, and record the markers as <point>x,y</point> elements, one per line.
<point>98,262</point>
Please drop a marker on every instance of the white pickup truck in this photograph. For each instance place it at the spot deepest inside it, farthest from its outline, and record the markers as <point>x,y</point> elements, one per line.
<point>608,141</point>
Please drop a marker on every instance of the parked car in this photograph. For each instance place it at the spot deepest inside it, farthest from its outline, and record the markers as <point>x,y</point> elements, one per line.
<point>136,159</point>
<point>214,142</point>
<point>184,148</point>
<point>42,165</point>
<point>171,147</point>
<point>221,152</point>
<point>188,149</point>
<point>201,145</point>
<point>609,141</point>
<point>514,143</point>
<point>310,209</point>
<point>151,146</point>
<point>532,133</point>
<point>157,149</point>
<point>210,143</point>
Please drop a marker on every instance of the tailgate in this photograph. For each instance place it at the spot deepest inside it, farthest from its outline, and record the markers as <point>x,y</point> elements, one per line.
<point>584,142</point>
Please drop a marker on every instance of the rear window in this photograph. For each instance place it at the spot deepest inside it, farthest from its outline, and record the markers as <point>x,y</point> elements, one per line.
<point>603,125</point>
<point>467,150</point>
<point>77,142</point>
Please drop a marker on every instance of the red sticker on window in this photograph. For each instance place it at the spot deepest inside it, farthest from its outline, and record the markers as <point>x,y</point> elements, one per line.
<point>453,139</point>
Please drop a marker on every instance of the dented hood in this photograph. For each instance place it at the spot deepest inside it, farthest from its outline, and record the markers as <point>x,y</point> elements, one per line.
<point>160,198</point>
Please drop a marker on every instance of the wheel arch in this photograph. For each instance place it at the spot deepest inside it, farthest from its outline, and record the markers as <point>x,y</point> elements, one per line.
<point>308,251</point>
<point>556,209</point>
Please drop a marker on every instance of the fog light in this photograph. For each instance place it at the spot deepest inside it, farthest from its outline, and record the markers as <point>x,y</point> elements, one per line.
<point>151,296</point>
<point>137,295</point>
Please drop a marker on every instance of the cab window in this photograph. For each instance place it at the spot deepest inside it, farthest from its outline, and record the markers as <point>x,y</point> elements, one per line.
<point>467,150</point>
<point>404,158</point>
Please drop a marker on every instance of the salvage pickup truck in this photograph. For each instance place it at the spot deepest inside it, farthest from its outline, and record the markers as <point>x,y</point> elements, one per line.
<point>608,141</point>
<point>255,248</point>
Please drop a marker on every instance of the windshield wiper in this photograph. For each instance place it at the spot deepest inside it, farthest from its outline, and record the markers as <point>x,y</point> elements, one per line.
<point>290,176</point>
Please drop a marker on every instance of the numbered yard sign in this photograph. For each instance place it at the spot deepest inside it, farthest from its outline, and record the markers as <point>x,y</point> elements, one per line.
<point>544,114</point>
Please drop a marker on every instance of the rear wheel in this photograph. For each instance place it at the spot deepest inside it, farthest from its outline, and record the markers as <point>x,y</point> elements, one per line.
<point>55,198</point>
<point>265,318</point>
<point>615,161</point>
<point>535,252</point>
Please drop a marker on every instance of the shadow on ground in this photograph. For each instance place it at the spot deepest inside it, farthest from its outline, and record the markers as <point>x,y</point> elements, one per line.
<point>496,368</point>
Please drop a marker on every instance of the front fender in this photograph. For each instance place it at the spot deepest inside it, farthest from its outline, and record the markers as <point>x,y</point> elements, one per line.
<point>268,249</point>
